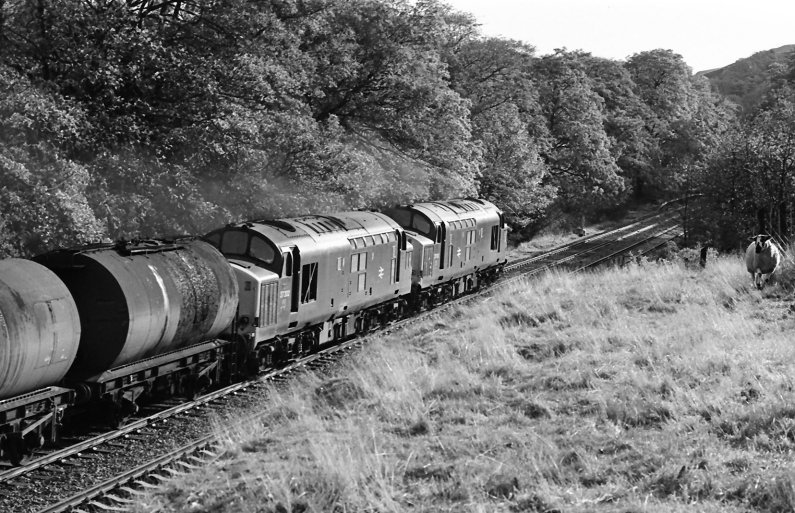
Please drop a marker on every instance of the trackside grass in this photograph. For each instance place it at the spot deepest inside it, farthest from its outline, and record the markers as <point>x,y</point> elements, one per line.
<point>656,387</point>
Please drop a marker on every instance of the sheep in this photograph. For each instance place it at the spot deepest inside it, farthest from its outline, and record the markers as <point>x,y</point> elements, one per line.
<point>761,259</point>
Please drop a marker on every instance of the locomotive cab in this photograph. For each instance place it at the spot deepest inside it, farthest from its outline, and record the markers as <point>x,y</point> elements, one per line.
<point>256,314</point>
<point>256,263</point>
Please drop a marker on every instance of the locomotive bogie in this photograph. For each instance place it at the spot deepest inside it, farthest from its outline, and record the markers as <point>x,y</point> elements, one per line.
<point>140,300</point>
<point>39,327</point>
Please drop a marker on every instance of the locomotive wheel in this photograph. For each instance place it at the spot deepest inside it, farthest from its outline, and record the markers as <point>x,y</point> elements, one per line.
<point>15,448</point>
<point>252,364</point>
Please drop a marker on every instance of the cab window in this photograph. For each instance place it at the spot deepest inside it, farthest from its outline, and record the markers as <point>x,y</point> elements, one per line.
<point>234,242</point>
<point>423,226</point>
<point>261,250</point>
<point>214,239</point>
<point>242,244</point>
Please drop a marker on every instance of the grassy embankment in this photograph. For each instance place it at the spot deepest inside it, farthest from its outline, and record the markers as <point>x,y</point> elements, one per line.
<point>649,388</point>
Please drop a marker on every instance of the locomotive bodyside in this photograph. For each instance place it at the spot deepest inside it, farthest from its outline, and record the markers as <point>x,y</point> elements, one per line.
<point>455,238</point>
<point>39,327</point>
<point>318,269</point>
<point>139,300</point>
<point>458,244</point>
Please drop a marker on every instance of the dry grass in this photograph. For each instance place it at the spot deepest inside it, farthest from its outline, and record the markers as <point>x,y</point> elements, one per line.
<point>657,387</point>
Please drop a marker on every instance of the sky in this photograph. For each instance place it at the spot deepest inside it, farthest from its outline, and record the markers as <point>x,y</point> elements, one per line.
<point>707,33</point>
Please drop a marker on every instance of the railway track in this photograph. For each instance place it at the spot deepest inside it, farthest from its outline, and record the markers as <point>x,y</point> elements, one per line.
<point>579,255</point>
<point>118,489</point>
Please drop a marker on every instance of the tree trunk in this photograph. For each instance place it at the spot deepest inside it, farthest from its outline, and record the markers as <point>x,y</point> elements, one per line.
<point>761,217</point>
<point>783,220</point>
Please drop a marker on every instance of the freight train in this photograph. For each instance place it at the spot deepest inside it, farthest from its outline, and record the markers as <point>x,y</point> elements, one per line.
<point>102,327</point>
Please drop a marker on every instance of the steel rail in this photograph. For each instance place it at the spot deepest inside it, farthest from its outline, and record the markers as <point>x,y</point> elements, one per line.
<point>585,240</point>
<point>130,475</point>
<point>618,252</point>
<point>137,425</point>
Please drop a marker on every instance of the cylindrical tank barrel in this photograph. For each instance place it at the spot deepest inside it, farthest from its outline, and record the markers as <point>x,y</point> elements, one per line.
<point>138,300</point>
<point>39,327</point>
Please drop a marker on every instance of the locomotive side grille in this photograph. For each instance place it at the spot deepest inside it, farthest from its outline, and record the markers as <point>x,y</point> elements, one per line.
<point>268,304</point>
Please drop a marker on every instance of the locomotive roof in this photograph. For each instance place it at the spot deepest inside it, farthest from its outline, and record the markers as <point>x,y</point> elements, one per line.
<point>454,210</point>
<point>317,227</point>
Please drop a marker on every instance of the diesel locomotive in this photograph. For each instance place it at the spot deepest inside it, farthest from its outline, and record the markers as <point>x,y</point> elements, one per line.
<point>102,327</point>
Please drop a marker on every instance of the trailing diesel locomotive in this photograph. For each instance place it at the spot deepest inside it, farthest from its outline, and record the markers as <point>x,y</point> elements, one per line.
<point>104,326</point>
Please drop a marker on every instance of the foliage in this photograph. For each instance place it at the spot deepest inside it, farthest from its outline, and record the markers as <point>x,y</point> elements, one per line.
<point>42,193</point>
<point>747,81</point>
<point>496,77</point>
<point>752,176</point>
<point>576,149</point>
<point>139,118</point>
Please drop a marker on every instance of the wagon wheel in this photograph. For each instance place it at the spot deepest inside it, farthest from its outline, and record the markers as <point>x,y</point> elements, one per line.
<point>15,448</point>
<point>111,413</point>
<point>34,440</point>
<point>189,387</point>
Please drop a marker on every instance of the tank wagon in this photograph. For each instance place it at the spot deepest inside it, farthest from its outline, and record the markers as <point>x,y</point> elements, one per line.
<point>39,335</point>
<point>105,324</point>
<point>313,280</point>
<point>137,300</point>
<point>102,326</point>
<point>143,305</point>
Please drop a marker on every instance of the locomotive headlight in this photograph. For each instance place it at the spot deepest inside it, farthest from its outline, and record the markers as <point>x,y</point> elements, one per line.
<point>244,321</point>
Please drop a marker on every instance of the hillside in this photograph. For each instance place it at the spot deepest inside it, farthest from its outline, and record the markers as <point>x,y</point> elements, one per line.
<point>746,80</point>
<point>649,388</point>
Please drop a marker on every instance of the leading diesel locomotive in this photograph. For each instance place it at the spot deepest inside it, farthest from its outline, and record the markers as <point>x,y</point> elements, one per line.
<point>101,327</point>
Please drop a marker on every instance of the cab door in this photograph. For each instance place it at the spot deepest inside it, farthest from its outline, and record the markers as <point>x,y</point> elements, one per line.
<point>441,238</point>
<point>296,283</point>
<point>438,248</point>
<point>503,242</point>
<point>289,284</point>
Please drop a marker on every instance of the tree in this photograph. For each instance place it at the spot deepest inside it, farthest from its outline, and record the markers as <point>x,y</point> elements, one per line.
<point>624,114</point>
<point>577,149</point>
<point>663,83</point>
<point>495,75</point>
<point>43,194</point>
